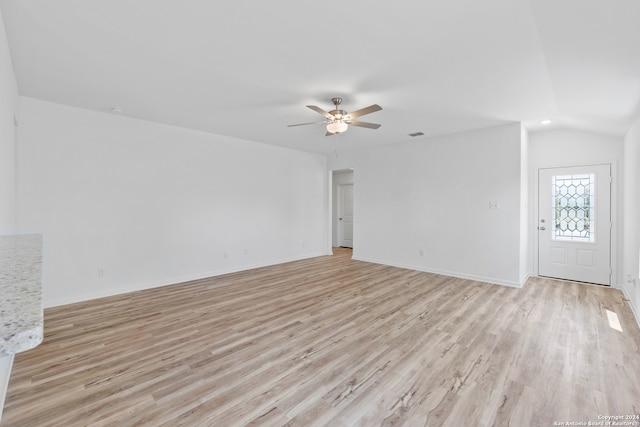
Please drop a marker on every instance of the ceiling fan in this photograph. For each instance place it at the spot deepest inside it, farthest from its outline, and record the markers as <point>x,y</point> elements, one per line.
<point>338,120</point>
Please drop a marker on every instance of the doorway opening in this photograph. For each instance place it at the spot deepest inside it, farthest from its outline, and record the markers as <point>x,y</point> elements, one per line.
<point>342,209</point>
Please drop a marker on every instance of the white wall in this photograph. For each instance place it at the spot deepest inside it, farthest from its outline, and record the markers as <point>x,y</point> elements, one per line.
<point>630,278</point>
<point>434,195</point>
<point>8,107</point>
<point>564,147</point>
<point>147,204</point>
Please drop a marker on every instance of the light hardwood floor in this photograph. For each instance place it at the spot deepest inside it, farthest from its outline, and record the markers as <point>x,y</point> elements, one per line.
<point>332,341</point>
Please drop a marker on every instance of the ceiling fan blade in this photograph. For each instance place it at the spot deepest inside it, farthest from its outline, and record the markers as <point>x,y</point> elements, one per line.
<point>363,124</point>
<point>321,111</point>
<point>310,123</point>
<point>367,110</point>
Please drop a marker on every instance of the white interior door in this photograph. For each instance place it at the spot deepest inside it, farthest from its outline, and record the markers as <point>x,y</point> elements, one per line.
<point>574,223</point>
<point>345,215</point>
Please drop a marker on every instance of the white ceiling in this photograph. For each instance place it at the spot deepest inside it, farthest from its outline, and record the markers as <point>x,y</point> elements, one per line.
<point>248,68</point>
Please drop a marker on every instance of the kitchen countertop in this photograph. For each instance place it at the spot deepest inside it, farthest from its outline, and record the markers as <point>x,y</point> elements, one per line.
<point>21,312</point>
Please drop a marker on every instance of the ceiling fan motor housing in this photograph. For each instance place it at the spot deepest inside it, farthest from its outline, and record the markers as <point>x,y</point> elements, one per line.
<point>338,114</point>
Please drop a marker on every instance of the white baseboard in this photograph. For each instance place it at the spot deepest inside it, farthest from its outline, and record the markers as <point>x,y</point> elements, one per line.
<point>55,302</point>
<point>491,280</point>
<point>634,309</point>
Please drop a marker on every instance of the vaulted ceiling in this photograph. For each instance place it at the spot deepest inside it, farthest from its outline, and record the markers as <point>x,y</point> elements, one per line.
<point>248,68</point>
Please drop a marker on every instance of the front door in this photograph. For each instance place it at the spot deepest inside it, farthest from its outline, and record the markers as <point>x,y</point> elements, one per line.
<point>345,215</point>
<point>574,223</point>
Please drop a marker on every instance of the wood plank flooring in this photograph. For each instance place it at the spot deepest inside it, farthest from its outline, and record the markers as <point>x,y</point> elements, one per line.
<point>332,341</point>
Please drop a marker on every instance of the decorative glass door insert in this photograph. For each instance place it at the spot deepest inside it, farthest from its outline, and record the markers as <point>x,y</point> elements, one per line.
<point>574,207</point>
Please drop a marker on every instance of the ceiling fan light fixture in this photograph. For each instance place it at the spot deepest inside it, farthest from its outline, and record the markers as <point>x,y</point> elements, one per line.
<point>337,127</point>
<point>338,121</point>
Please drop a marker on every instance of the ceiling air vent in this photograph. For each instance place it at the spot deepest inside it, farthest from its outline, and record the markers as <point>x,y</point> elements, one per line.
<point>416,134</point>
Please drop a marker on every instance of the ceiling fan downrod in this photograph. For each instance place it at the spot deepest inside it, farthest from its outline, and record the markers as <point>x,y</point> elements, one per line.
<point>338,114</point>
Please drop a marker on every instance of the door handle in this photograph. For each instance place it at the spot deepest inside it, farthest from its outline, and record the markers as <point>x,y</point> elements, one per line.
<point>542,228</point>
<point>340,219</point>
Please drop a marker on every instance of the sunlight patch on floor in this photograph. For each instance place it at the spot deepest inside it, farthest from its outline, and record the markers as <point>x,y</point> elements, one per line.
<point>614,322</point>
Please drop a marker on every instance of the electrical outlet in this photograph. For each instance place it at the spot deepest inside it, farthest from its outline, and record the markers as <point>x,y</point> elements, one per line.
<point>101,272</point>
<point>421,252</point>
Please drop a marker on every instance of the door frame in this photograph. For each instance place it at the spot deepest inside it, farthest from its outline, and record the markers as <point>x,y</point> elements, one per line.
<point>534,214</point>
